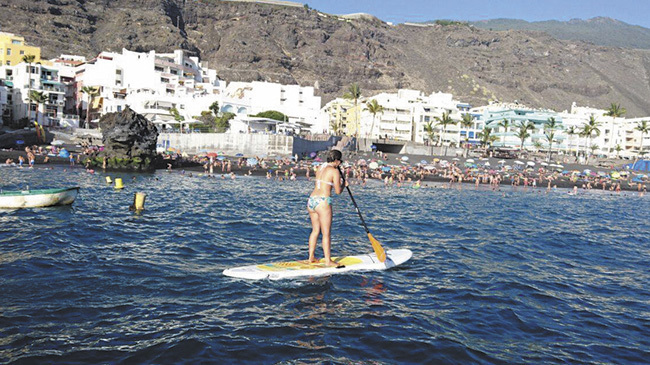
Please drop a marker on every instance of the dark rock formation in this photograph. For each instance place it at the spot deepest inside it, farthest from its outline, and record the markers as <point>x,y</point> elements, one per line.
<point>129,141</point>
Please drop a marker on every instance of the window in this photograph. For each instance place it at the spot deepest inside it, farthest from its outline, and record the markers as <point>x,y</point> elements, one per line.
<point>8,51</point>
<point>22,52</point>
<point>118,72</point>
<point>15,41</point>
<point>8,63</point>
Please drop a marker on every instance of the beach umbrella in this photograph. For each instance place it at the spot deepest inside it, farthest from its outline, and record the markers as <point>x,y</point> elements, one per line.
<point>429,167</point>
<point>380,162</point>
<point>502,161</point>
<point>405,158</point>
<point>57,143</point>
<point>385,169</point>
<point>212,154</point>
<point>251,161</point>
<point>484,159</point>
<point>184,154</point>
<point>316,163</point>
<point>436,160</point>
<point>361,162</point>
<point>615,175</point>
<point>455,159</point>
<point>424,162</point>
<point>313,154</point>
<point>221,158</point>
<point>373,165</point>
<point>469,160</point>
<point>543,164</point>
<point>519,162</point>
<point>530,163</point>
<point>507,167</point>
<point>318,159</point>
<point>487,164</point>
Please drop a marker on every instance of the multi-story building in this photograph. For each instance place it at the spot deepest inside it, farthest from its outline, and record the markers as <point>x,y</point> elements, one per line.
<point>298,103</point>
<point>5,114</point>
<point>405,116</point>
<point>41,78</point>
<point>335,117</point>
<point>151,84</point>
<point>13,49</point>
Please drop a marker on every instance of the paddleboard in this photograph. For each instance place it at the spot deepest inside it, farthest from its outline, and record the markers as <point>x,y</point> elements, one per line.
<point>297,269</point>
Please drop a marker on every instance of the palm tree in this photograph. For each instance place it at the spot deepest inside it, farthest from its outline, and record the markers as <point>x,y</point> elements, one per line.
<point>572,131</point>
<point>354,93</point>
<point>92,92</point>
<point>618,150</point>
<point>549,131</point>
<point>28,59</point>
<point>445,120</point>
<point>590,129</point>
<point>486,137</point>
<point>524,127</point>
<point>431,133</point>
<point>615,110</point>
<point>467,122</point>
<point>39,98</point>
<point>374,108</point>
<point>644,128</point>
<point>505,123</point>
<point>336,127</point>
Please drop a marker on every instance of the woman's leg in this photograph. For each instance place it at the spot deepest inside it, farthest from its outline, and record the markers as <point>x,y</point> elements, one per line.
<point>315,231</point>
<point>325,219</point>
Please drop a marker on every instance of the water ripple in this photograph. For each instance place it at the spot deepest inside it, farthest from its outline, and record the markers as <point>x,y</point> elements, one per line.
<point>496,277</point>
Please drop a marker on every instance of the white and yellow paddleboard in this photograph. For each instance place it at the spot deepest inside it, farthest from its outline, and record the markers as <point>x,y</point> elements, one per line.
<point>297,269</point>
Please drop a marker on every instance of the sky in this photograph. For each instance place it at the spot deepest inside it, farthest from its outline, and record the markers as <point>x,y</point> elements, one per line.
<point>636,12</point>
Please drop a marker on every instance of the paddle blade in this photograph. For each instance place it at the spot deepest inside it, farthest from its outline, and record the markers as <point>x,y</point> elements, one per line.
<point>379,251</point>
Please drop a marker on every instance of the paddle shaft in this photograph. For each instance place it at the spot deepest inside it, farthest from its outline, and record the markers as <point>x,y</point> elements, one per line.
<point>354,202</point>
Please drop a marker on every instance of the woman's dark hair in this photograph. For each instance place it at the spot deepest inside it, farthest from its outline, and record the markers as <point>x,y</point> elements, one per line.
<point>334,155</point>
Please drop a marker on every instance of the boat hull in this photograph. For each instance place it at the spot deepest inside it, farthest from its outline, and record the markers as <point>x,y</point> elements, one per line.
<point>37,198</point>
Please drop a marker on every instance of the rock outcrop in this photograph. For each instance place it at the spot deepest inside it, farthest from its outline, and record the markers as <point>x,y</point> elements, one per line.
<point>129,141</point>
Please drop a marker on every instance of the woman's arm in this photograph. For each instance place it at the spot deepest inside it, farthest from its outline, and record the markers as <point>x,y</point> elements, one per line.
<point>337,182</point>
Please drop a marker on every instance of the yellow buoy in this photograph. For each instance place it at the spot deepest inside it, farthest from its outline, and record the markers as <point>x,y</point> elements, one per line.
<point>138,201</point>
<point>109,180</point>
<point>118,183</point>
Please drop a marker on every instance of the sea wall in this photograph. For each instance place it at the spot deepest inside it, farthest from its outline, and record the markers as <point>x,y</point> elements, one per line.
<point>248,144</point>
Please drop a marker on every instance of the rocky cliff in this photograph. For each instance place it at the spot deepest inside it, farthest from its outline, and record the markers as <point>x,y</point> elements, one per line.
<point>247,41</point>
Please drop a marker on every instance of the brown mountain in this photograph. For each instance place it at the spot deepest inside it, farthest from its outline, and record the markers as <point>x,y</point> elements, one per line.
<point>248,41</point>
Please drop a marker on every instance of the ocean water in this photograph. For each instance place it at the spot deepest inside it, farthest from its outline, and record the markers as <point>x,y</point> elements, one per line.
<point>496,277</point>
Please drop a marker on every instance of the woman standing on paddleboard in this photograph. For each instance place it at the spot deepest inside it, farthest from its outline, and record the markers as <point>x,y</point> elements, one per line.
<point>319,205</point>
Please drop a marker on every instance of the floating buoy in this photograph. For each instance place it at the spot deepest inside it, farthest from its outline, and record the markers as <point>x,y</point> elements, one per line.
<point>109,180</point>
<point>118,183</point>
<point>138,202</point>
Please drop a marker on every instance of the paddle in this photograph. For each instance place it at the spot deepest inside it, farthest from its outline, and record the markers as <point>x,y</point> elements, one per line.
<point>379,251</point>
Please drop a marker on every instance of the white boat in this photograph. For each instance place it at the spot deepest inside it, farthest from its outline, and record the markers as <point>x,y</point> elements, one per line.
<point>37,198</point>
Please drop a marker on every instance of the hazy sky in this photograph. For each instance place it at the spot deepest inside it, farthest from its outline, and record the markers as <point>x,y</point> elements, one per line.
<point>635,12</point>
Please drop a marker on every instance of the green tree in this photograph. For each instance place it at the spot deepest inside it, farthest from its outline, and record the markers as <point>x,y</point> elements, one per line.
<point>590,129</point>
<point>272,114</point>
<point>467,122</point>
<point>550,126</point>
<point>644,128</point>
<point>523,133</point>
<point>354,93</point>
<point>214,108</point>
<point>615,111</point>
<point>223,122</point>
<point>28,59</point>
<point>39,98</point>
<point>92,92</point>
<point>572,131</point>
<point>618,150</point>
<point>445,120</point>
<point>505,123</point>
<point>486,137</point>
<point>431,133</point>
<point>374,108</point>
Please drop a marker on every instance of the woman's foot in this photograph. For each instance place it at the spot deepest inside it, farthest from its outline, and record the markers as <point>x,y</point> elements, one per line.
<point>333,264</point>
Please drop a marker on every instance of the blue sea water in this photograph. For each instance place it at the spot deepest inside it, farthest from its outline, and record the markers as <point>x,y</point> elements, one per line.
<point>496,277</point>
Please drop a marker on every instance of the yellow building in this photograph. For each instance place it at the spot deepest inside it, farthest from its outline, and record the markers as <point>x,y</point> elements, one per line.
<point>13,49</point>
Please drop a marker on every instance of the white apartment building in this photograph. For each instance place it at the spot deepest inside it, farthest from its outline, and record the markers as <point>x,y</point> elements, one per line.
<point>150,83</point>
<point>44,79</point>
<point>615,133</point>
<point>407,112</point>
<point>298,103</point>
